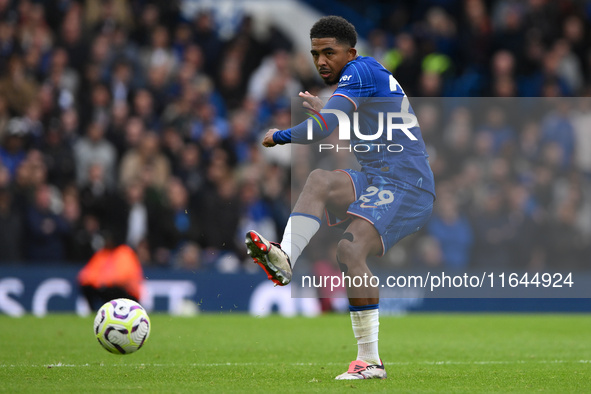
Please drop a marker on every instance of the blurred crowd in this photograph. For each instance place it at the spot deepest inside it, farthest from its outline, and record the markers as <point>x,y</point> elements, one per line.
<point>493,48</point>
<point>513,184</point>
<point>127,117</point>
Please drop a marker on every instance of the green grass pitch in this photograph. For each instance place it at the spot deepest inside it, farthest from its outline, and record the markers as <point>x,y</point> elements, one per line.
<point>240,353</point>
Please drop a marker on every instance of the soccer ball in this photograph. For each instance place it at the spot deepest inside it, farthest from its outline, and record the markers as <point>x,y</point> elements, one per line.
<point>122,326</point>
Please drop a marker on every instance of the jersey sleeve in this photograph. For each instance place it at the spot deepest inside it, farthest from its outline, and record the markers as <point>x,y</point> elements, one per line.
<point>357,81</point>
<point>321,127</point>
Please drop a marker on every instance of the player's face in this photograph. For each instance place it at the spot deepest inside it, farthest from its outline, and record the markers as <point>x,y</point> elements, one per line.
<point>330,57</point>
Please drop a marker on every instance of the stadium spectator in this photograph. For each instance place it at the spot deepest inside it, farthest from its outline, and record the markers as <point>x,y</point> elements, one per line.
<point>206,37</point>
<point>92,149</point>
<point>58,157</point>
<point>123,51</point>
<point>121,83</point>
<point>522,227</point>
<point>218,206</point>
<point>11,229</point>
<point>277,65</point>
<point>240,138</point>
<point>113,272</point>
<point>457,141</point>
<point>12,151</point>
<point>95,196</point>
<point>509,32</point>
<point>133,134</point>
<point>80,241</point>
<point>430,84</point>
<point>133,215</point>
<point>182,38</point>
<point>452,231</point>
<point>497,126</point>
<point>95,106</point>
<point>45,230</point>
<point>70,36</point>
<point>103,16</point>
<point>147,22</point>
<point>8,41</point>
<point>145,162</point>
<point>491,233</point>
<point>475,36</point>
<point>529,143</point>
<point>144,108</point>
<point>205,116</point>
<point>173,226</point>
<point>18,88</point>
<point>116,128</point>
<point>274,100</point>
<point>502,75</point>
<point>567,247</point>
<point>557,129</point>
<point>5,180</point>
<point>256,212</point>
<point>189,257</point>
<point>62,78</point>
<point>245,50</point>
<point>428,254</point>
<point>4,117</point>
<point>580,121</point>
<point>172,145</point>
<point>159,53</point>
<point>69,126</point>
<point>404,62</point>
<point>190,169</point>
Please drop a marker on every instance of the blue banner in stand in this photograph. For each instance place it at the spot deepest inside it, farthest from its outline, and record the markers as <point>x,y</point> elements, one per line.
<point>43,289</point>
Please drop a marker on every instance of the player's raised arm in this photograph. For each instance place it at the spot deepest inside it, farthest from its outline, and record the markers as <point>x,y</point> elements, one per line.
<point>321,126</point>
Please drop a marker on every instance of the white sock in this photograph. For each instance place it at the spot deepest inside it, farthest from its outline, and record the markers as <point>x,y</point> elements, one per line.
<point>299,230</point>
<point>366,327</point>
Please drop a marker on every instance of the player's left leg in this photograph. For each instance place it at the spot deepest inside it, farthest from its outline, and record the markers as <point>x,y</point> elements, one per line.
<point>360,241</point>
<point>388,211</point>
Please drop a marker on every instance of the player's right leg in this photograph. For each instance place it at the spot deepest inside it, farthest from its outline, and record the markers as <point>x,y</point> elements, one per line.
<point>270,257</point>
<point>326,189</point>
<point>323,189</point>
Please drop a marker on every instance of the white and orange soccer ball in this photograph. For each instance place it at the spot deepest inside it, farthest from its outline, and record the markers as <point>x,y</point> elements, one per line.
<point>122,326</point>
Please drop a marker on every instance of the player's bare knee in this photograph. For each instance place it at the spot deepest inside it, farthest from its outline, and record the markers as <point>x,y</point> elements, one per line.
<point>348,253</point>
<point>318,182</point>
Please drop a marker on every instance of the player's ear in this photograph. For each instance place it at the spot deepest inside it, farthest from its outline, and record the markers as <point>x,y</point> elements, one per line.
<point>352,53</point>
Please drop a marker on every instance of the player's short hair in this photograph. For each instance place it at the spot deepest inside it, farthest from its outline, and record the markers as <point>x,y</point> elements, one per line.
<point>335,27</point>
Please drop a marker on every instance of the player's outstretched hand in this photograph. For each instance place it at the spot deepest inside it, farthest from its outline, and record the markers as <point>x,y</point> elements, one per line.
<point>311,102</point>
<point>268,140</point>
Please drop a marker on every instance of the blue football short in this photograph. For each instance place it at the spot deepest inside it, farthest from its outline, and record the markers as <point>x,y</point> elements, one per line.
<point>395,208</point>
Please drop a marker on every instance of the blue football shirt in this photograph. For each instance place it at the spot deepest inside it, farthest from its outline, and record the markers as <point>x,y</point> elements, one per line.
<point>365,87</point>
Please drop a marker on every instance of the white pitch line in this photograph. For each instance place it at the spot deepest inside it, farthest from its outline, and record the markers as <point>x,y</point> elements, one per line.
<point>394,363</point>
